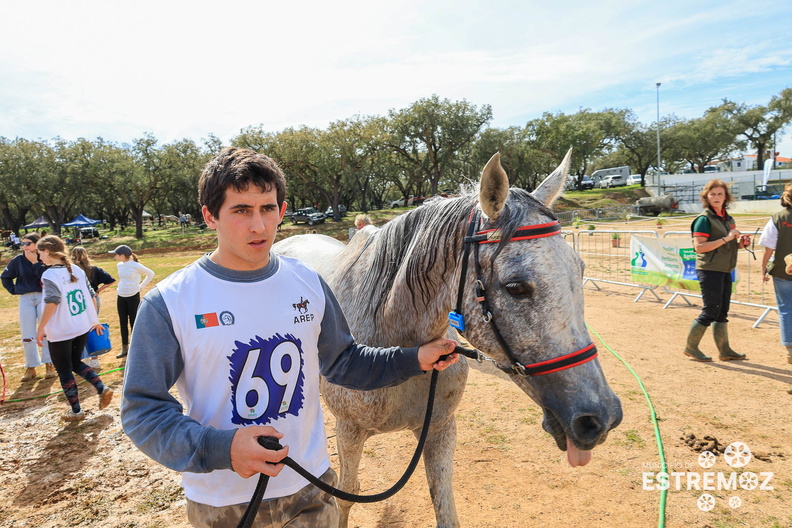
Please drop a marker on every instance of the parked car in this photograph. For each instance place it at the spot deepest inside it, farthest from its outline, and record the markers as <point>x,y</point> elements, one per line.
<point>612,180</point>
<point>341,209</point>
<point>572,183</point>
<point>412,200</point>
<point>308,215</point>
<point>634,179</point>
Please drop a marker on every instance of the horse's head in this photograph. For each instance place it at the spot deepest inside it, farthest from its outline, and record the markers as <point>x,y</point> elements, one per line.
<point>533,288</point>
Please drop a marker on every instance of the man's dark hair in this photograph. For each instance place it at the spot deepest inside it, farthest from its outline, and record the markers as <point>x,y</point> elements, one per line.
<point>238,168</point>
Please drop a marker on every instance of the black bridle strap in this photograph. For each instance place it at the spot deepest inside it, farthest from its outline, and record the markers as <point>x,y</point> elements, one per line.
<point>491,236</point>
<point>488,236</point>
<point>584,355</point>
<point>457,321</point>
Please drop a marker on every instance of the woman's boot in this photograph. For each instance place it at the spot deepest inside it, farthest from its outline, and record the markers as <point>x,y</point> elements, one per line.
<point>721,333</point>
<point>30,374</point>
<point>124,351</point>
<point>693,339</point>
<point>51,372</point>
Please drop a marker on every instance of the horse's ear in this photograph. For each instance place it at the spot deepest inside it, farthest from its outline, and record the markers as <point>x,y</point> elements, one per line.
<point>552,187</point>
<point>494,188</point>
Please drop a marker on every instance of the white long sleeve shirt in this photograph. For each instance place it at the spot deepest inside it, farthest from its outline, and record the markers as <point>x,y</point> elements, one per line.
<point>129,275</point>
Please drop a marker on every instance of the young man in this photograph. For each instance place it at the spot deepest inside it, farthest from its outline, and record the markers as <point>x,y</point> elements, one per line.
<point>244,335</point>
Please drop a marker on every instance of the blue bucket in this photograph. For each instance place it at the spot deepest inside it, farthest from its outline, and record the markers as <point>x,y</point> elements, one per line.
<point>98,344</point>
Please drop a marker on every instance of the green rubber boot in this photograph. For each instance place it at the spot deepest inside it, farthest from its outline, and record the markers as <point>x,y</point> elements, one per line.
<point>721,333</point>
<point>693,339</point>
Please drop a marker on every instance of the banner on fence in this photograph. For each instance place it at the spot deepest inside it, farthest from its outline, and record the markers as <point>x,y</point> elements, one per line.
<point>669,262</point>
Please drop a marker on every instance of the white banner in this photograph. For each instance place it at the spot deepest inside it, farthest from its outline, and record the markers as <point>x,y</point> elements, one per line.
<point>669,262</point>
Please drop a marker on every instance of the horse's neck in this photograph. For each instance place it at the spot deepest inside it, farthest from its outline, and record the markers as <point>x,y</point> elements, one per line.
<point>404,318</point>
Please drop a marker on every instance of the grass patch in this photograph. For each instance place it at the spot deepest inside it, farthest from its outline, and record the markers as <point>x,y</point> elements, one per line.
<point>631,439</point>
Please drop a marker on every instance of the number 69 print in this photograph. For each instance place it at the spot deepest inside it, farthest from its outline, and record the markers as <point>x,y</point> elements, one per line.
<point>267,379</point>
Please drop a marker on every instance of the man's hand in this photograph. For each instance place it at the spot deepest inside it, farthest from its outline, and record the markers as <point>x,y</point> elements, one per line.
<point>248,458</point>
<point>429,354</point>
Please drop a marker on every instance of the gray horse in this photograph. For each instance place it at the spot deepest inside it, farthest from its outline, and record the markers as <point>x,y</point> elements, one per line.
<point>397,286</point>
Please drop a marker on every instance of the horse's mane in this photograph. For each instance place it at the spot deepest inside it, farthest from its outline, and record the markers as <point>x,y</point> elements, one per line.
<point>427,237</point>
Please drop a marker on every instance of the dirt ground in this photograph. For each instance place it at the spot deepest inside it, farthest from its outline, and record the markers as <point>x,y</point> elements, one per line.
<point>508,472</point>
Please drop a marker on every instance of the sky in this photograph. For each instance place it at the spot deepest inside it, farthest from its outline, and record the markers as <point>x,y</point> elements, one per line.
<point>188,69</point>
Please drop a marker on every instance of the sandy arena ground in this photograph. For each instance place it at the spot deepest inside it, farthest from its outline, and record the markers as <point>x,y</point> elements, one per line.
<point>508,472</point>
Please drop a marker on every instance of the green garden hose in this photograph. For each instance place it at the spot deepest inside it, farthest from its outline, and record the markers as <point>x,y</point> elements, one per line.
<point>653,416</point>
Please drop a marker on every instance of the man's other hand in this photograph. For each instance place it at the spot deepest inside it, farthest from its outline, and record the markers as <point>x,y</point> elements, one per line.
<point>248,458</point>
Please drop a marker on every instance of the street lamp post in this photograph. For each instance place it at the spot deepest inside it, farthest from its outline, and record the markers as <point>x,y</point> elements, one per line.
<point>658,139</point>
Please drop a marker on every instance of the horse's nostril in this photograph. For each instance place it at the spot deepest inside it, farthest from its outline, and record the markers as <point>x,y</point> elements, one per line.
<point>587,428</point>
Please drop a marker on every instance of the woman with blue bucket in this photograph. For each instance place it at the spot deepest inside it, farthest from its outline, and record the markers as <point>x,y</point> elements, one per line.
<point>99,280</point>
<point>69,314</point>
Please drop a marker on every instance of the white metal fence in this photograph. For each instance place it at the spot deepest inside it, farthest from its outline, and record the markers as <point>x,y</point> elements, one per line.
<point>606,253</point>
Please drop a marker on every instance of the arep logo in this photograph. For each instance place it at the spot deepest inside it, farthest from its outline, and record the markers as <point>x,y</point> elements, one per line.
<point>737,455</point>
<point>302,310</point>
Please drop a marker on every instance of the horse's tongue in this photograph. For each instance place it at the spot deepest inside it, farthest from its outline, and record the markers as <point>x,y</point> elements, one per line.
<point>577,457</point>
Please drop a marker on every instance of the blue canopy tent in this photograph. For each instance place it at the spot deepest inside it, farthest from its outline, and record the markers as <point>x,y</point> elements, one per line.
<point>39,223</point>
<point>82,221</point>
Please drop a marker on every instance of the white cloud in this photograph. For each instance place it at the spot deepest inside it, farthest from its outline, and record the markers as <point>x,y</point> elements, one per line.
<point>189,68</point>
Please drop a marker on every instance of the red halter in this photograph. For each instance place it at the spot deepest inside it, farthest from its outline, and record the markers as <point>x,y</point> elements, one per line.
<point>476,237</point>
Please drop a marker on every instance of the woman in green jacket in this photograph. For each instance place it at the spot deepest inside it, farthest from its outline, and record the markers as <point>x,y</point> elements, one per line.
<point>715,241</point>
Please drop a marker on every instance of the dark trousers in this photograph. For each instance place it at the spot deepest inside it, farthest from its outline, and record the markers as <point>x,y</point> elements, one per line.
<point>127,310</point>
<point>716,289</point>
<point>66,357</point>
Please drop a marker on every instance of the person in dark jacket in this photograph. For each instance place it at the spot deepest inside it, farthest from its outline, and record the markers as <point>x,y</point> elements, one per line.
<point>715,241</point>
<point>22,277</point>
<point>777,238</point>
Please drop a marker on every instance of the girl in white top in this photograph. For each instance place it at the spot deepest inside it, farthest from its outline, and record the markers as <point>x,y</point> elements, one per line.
<point>68,314</point>
<point>130,272</point>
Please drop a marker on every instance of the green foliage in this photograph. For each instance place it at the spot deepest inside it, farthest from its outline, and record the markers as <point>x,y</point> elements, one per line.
<point>363,162</point>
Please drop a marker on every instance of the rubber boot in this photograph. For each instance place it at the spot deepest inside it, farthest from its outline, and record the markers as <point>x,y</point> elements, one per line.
<point>721,333</point>
<point>51,372</point>
<point>693,339</point>
<point>30,374</point>
<point>124,351</point>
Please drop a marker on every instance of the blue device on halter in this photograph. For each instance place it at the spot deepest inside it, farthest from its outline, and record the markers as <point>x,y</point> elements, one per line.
<point>457,320</point>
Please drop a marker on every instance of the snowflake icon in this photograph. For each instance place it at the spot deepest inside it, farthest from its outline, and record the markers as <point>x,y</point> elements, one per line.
<point>706,459</point>
<point>737,454</point>
<point>749,481</point>
<point>706,502</point>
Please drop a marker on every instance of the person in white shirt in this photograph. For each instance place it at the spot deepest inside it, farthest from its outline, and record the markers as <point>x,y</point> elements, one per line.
<point>69,314</point>
<point>130,272</point>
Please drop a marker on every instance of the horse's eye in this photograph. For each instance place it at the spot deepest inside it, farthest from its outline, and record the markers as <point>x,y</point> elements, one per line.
<point>519,288</point>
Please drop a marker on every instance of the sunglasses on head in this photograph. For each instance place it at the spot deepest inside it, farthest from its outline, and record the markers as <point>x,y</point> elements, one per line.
<point>27,243</point>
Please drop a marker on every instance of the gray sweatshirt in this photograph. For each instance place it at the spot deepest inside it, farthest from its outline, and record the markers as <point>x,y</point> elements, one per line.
<point>155,421</point>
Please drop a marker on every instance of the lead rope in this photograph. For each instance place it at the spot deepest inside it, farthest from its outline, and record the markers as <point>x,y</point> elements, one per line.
<point>272,443</point>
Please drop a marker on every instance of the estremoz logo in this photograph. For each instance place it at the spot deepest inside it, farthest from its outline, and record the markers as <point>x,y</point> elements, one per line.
<point>736,455</point>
